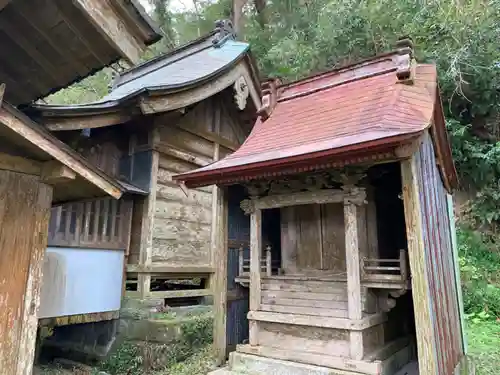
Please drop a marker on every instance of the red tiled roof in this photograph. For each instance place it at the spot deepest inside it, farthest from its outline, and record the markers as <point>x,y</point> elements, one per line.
<point>334,116</point>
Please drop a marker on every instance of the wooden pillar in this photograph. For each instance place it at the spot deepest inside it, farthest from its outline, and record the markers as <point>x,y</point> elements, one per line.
<point>371,221</point>
<point>426,348</point>
<point>219,278</point>
<point>353,276</point>
<point>146,244</point>
<point>255,256</point>
<point>24,218</point>
<point>288,240</point>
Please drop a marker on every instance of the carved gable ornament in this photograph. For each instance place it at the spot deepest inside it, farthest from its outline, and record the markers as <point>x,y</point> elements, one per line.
<point>241,92</point>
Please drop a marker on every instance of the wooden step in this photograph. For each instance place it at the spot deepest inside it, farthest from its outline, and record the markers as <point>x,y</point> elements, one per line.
<point>291,359</point>
<point>248,364</point>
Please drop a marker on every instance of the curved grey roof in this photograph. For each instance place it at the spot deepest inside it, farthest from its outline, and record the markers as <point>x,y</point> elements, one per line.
<point>183,67</point>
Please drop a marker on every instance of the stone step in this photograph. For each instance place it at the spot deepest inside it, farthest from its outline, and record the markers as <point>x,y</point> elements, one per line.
<point>255,365</point>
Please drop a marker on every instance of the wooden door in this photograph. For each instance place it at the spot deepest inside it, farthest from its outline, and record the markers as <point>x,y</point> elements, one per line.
<point>313,238</point>
<point>24,216</point>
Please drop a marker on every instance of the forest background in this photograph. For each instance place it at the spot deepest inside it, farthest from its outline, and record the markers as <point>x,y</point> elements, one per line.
<point>294,38</point>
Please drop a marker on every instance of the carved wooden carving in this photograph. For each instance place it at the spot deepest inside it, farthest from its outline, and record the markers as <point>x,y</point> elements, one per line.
<point>354,195</point>
<point>241,92</point>
<point>307,182</point>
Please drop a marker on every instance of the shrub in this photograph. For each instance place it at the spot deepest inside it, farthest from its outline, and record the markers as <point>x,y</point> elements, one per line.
<point>480,274</point>
<point>137,358</point>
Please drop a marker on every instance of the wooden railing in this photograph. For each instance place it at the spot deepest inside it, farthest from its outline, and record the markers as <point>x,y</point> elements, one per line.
<point>385,270</point>
<point>266,263</point>
<point>100,223</point>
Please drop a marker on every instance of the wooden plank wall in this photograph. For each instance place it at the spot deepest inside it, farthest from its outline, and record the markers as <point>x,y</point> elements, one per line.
<point>181,221</point>
<point>437,236</point>
<point>312,237</point>
<point>24,218</point>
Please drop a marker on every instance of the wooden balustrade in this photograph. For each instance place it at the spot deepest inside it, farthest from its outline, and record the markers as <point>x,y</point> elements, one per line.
<point>100,223</point>
<point>388,270</point>
<point>266,263</point>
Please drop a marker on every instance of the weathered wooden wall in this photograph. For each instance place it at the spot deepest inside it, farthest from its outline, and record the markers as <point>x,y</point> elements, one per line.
<point>174,229</point>
<point>182,222</point>
<point>440,265</point>
<point>24,217</point>
<point>313,237</point>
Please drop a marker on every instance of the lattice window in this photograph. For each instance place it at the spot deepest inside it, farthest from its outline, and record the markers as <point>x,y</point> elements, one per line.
<point>101,223</point>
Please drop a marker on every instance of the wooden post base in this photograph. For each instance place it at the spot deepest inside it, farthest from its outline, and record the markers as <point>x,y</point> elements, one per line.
<point>24,217</point>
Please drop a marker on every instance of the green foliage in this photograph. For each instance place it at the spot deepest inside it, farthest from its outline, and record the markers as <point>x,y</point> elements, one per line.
<point>480,274</point>
<point>483,342</point>
<point>137,358</point>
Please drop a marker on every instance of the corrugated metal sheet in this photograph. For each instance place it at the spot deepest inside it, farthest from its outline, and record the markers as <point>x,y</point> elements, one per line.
<point>439,259</point>
<point>81,281</point>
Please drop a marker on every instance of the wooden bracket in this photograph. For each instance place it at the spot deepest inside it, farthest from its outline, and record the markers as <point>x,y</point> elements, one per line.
<point>406,150</point>
<point>19,164</point>
<point>53,173</point>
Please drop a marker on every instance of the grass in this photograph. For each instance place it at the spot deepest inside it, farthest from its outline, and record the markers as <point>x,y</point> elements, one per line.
<point>200,363</point>
<point>484,346</point>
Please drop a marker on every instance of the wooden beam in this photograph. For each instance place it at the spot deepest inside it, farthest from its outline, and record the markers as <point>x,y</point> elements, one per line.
<point>25,13</point>
<point>315,359</point>
<point>353,266</point>
<point>168,149</point>
<point>384,351</point>
<point>39,137</point>
<point>65,8</point>
<point>255,282</point>
<point>426,345</point>
<point>79,319</point>
<point>318,321</point>
<point>219,258</point>
<point>354,195</point>
<point>158,268</point>
<point>454,246</point>
<point>219,280</point>
<point>165,103</point>
<point>53,172</point>
<point>146,230</point>
<point>406,150</point>
<point>24,218</point>
<point>187,293</point>
<point>20,164</point>
<point>107,21</point>
<point>85,122</point>
<point>125,15</point>
<point>8,26</point>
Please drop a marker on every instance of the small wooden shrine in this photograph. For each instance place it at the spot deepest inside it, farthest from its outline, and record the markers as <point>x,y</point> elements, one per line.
<point>351,266</point>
